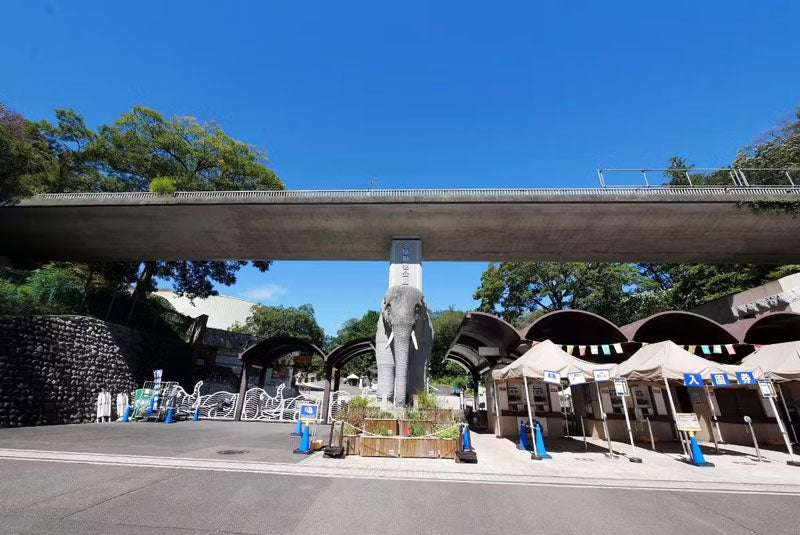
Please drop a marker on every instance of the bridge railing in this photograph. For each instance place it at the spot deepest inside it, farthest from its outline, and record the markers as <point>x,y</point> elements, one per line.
<point>702,177</point>
<point>606,191</point>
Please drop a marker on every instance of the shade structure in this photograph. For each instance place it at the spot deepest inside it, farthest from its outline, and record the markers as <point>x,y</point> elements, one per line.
<point>545,356</point>
<point>352,377</point>
<point>655,362</point>
<point>780,362</point>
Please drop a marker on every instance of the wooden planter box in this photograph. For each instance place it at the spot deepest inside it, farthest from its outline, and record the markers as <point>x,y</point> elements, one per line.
<point>372,425</point>
<point>356,416</point>
<point>419,447</point>
<point>405,426</point>
<point>439,416</point>
<point>379,447</point>
<point>352,444</point>
<point>448,448</point>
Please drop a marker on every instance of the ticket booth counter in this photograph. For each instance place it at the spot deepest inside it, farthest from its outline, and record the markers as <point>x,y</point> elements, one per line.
<point>511,403</point>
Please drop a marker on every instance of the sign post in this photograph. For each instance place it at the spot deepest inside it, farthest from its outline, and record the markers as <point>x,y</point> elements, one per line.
<point>674,412</point>
<point>621,387</point>
<point>599,377</point>
<point>768,391</point>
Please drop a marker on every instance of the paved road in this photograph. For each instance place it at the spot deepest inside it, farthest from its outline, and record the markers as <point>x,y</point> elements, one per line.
<point>50,497</point>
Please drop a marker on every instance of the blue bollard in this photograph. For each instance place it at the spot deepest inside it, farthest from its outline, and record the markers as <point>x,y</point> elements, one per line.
<point>298,429</point>
<point>126,417</point>
<point>697,454</point>
<point>168,419</point>
<point>305,443</point>
<point>196,416</point>
<point>466,446</point>
<point>523,437</point>
<point>540,449</point>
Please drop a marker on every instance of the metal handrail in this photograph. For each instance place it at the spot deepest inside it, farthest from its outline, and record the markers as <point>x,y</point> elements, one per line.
<point>445,193</point>
<point>738,175</point>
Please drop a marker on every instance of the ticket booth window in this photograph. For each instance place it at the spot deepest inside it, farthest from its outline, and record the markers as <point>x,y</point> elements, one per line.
<point>515,398</point>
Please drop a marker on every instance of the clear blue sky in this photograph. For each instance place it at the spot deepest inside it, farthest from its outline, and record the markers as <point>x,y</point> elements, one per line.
<point>418,94</point>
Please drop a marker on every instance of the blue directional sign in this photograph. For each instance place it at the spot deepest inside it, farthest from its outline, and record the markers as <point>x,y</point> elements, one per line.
<point>308,412</point>
<point>745,378</point>
<point>692,379</point>
<point>720,379</point>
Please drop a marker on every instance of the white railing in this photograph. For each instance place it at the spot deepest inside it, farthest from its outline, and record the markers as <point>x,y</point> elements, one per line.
<point>476,195</point>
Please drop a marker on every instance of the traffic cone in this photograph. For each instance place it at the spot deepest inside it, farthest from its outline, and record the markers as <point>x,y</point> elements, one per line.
<point>168,419</point>
<point>466,446</point>
<point>697,453</point>
<point>305,443</point>
<point>540,449</point>
<point>298,429</point>
<point>523,437</point>
<point>126,417</point>
<point>196,414</point>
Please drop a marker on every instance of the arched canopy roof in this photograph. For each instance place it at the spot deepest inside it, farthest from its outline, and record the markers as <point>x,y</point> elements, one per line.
<point>345,353</point>
<point>680,327</point>
<point>573,327</point>
<point>483,341</point>
<point>771,328</point>
<point>266,352</point>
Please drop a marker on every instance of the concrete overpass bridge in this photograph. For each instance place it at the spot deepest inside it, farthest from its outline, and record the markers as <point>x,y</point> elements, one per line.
<point>656,224</point>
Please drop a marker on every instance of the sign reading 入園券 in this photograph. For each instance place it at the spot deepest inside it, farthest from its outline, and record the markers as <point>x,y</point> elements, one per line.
<point>687,421</point>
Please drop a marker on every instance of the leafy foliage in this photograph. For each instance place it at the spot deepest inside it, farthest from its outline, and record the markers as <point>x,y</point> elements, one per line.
<point>353,329</point>
<point>359,402</point>
<point>268,321</point>
<point>426,400</point>
<point>162,185</point>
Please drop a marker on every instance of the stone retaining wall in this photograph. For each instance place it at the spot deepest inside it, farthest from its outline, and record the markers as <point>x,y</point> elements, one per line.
<point>52,367</point>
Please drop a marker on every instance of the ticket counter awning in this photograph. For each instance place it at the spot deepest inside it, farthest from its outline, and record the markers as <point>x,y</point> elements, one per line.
<point>780,362</point>
<point>543,357</point>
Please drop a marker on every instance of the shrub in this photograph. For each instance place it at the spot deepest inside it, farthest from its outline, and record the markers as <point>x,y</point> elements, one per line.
<point>426,400</point>
<point>384,415</point>
<point>162,186</point>
<point>416,430</point>
<point>383,431</point>
<point>413,414</point>
<point>55,289</point>
<point>447,431</point>
<point>359,402</point>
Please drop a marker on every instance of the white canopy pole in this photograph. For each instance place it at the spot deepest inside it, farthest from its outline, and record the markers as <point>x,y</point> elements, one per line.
<point>530,416</point>
<point>633,458</point>
<point>783,430</point>
<point>496,410</point>
<point>788,415</point>
<point>674,412</point>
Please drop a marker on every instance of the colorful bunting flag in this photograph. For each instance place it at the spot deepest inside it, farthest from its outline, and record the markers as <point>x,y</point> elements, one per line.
<point>757,347</point>
<point>570,349</point>
<point>692,349</point>
<point>717,349</point>
<point>618,348</point>
<point>582,350</point>
<point>706,350</point>
<point>606,350</point>
<point>731,350</point>
<point>593,349</point>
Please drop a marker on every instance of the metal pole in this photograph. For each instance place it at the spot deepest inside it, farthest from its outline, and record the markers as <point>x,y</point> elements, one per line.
<point>788,415</point>
<point>583,432</point>
<point>714,423</point>
<point>789,177</point>
<point>600,176</point>
<point>496,410</point>
<point>633,458</point>
<point>650,430</point>
<point>753,434</point>
<point>644,175</point>
<point>674,420</point>
<point>783,432</point>
<point>530,418</point>
<point>605,423</point>
<point>564,412</point>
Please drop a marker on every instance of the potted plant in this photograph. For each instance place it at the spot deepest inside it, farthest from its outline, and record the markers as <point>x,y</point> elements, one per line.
<point>380,443</point>
<point>384,420</point>
<point>351,440</point>
<point>411,418</point>
<point>448,436</point>
<point>418,443</point>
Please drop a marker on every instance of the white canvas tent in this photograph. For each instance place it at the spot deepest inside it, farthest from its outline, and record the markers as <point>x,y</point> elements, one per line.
<point>780,362</point>
<point>546,356</point>
<point>666,360</point>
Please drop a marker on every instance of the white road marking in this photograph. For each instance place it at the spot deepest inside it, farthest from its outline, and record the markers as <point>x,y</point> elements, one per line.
<point>256,467</point>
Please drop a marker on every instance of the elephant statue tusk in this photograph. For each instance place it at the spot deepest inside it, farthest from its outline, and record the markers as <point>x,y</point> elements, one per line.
<point>414,340</point>
<point>389,341</point>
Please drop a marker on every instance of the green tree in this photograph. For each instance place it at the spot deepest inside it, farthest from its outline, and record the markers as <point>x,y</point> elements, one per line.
<point>268,321</point>
<point>25,157</point>
<point>445,327</point>
<point>353,329</point>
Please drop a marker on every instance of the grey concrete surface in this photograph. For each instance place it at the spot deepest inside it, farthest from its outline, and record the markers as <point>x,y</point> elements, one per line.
<point>42,497</point>
<point>588,227</point>
<point>199,440</point>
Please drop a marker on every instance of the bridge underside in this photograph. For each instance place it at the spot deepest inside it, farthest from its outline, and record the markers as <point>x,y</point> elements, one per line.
<point>469,228</point>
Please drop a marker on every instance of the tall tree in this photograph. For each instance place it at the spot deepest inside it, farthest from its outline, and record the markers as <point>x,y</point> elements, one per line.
<point>25,157</point>
<point>353,329</point>
<point>268,321</point>
<point>445,327</point>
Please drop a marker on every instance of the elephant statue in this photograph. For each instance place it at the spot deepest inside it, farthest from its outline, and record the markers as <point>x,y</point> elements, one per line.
<point>403,344</point>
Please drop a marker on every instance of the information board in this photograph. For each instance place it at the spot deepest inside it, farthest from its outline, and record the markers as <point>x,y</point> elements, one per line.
<point>687,421</point>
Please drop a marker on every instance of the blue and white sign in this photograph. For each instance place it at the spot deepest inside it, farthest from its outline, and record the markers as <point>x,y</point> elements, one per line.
<point>308,411</point>
<point>745,378</point>
<point>692,379</point>
<point>602,375</point>
<point>552,377</point>
<point>720,379</point>
<point>621,387</point>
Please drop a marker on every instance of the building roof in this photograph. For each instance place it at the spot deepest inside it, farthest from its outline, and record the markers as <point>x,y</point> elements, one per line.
<point>222,311</point>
